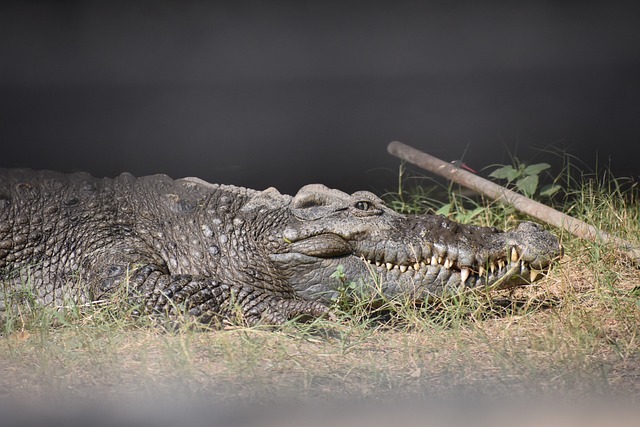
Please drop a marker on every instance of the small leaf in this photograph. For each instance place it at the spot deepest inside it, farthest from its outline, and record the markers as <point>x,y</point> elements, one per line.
<point>536,169</point>
<point>339,273</point>
<point>503,172</point>
<point>528,184</point>
<point>514,174</point>
<point>473,213</point>
<point>445,210</point>
<point>549,190</point>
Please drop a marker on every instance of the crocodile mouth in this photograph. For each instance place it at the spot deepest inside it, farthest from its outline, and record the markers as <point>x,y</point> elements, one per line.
<point>510,265</point>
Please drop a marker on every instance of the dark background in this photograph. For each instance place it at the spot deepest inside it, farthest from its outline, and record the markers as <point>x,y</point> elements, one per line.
<point>286,93</point>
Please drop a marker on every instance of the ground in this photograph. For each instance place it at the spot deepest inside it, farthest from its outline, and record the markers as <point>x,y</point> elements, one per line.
<point>575,335</point>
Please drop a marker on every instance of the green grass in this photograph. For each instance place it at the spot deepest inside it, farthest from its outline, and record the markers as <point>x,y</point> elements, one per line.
<point>576,333</point>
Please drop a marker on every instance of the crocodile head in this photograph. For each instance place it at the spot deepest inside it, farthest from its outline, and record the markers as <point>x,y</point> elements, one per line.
<point>421,256</point>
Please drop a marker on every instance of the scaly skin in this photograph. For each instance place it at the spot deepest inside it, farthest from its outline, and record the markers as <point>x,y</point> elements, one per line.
<point>217,250</point>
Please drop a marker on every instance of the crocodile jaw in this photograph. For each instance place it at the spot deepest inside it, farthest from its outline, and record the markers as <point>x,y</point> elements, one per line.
<point>311,262</point>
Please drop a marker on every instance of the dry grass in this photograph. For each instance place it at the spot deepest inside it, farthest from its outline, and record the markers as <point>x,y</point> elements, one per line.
<point>575,334</point>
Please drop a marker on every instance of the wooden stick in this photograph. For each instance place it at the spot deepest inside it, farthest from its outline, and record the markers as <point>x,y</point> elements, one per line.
<point>523,204</point>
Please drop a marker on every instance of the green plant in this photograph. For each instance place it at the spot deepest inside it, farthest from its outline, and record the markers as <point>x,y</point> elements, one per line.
<point>526,178</point>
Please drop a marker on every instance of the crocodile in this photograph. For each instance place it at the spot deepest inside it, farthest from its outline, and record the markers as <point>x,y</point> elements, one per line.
<point>219,251</point>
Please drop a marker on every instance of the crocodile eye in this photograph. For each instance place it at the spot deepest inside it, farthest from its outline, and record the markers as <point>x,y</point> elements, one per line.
<point>362,205</point>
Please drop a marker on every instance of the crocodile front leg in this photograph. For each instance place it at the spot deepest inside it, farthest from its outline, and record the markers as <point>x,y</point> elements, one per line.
<point>210,300</point>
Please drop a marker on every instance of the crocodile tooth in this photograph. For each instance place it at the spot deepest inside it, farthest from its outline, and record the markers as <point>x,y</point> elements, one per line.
<point>434,260</point>
<point>514,255</point>
<point>500,264</point>
<point>464,274</point>
<point>492,267</point>
<point>378,263</point>
<point>448,263</point>
<point>416,266</point>
<point>481,271</point>
<point>533,275</point>
<point>439,260</point>
<point>403,268</point>
<point>389,266</point>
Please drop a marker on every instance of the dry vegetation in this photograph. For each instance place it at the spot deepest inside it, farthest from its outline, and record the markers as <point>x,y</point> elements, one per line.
<point>575,334</point>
